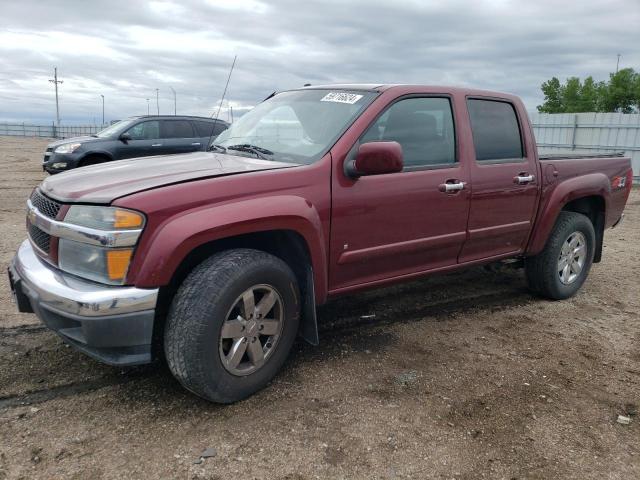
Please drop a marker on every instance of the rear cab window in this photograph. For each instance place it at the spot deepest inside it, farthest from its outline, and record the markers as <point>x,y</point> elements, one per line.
<point>496,131</point>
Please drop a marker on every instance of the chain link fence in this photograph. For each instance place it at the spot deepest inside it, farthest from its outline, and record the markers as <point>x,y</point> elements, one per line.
<point>48,131</point>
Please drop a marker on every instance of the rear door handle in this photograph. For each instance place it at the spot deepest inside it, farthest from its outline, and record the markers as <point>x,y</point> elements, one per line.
<point>452,186</point>
<point>156,145</point>
<point>523,179</point>
<point>197,144</point>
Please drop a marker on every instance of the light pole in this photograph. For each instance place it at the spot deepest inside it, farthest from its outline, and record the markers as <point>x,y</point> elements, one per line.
<point>618,63</point>
<point>158,100</point>
<point>55,81</point>
<point>175,104</point>
<point>102,109</point>
<point>148,107</point>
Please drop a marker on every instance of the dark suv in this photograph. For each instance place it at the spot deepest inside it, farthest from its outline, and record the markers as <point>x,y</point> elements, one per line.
<point>134,137</point>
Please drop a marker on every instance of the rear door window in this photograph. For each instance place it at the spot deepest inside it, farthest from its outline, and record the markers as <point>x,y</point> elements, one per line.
<point>145,130</point>
<point>177,129</point>
<point>496,132</point>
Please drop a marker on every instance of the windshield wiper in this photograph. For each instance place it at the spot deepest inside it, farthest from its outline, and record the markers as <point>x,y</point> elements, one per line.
<point>217,148</point>
<point>95,136</point>
<point>257,151</point>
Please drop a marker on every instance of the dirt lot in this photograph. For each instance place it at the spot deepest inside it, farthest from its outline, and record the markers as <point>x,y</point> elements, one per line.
<point>459,376</point>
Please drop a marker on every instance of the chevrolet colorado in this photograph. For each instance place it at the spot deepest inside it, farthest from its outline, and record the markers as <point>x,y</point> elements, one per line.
<point>216,260</point>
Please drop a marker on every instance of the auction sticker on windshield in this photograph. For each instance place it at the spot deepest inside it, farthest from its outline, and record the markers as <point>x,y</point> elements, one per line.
<point>341,97</point>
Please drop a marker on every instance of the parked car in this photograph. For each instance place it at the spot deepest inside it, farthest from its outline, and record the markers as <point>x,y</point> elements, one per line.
<point>134,137</point>
<point>219,258</point>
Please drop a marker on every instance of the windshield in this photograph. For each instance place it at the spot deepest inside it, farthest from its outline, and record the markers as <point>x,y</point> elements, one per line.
<point>110,130</point>
<point>298,126</point>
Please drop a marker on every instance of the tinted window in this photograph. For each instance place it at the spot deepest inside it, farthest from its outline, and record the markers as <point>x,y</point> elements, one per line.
<point>204,128</point>
<point>145,131</point>
<point>496,135</point>
<point>424,128</point>
<point>177,129</point>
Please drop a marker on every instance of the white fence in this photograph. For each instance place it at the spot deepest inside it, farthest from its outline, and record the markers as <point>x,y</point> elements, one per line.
<point>589,133</point>
<point>49,131</point>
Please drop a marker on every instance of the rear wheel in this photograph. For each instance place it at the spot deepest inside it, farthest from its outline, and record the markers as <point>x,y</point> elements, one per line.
<point>232,324</point>
<point>561,268</point>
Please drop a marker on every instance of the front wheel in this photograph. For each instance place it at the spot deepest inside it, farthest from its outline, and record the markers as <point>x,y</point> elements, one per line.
<point>232,324</point>
<point>561,268</point>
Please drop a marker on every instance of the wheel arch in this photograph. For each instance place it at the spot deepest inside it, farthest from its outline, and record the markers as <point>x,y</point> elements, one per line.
<point>587,194</point>
<point>94,154</point>
<point>288,245</point>
<point>287,226</point>
<point>594,207</point>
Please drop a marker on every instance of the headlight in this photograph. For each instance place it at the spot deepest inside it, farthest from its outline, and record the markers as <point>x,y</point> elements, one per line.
<point>94,262</point>
<point>104,265</point>
<point>68,148</point>
<point>104,218</point>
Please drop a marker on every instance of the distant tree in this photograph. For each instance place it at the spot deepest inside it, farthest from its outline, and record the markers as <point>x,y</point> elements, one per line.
<point>552,97</point>
<point>636,89</point>
<point>571,94</point>
<point>591,95</point>
<point>621,93</point>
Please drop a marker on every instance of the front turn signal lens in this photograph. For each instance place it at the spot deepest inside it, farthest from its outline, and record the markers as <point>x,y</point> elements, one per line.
<point>127,219</point>
<point>118,263</point>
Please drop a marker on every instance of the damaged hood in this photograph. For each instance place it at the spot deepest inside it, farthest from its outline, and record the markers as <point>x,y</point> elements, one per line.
<point>104,183</point>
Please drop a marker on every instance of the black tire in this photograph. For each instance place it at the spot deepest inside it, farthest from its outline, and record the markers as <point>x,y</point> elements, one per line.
<point>542,269</point>
<point>199,309</point>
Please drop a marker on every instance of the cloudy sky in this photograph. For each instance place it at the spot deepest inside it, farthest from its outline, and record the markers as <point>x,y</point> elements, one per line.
<point>126,49</point>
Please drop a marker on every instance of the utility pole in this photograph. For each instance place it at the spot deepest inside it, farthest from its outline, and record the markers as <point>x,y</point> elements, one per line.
<point>618,63</point>
<point>102,109</point>
<point>148,106</point>
<point>158,100</point>
<point>175,104</point>
<point>55,81</point>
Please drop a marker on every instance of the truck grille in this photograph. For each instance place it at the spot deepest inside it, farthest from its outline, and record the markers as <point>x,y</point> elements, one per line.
<point>39,238</point>
<point>47,207</point>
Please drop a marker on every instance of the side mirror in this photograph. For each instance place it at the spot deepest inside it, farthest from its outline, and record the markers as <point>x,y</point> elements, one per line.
<point>125,137</point>
<point>375,158</point>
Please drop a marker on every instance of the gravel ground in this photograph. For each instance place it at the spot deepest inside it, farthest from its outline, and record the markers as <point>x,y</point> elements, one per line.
<point>460,376</point>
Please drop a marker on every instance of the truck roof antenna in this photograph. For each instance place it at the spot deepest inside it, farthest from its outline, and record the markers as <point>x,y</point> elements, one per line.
<point>221,100</point>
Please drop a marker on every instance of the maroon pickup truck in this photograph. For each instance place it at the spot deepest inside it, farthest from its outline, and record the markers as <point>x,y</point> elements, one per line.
<point>216,260</point>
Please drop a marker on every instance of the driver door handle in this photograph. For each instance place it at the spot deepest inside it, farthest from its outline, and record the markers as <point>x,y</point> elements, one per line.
<point>156,145</point>
<point>452,186</point>
<point>523,179</point>
<point>196,144</point>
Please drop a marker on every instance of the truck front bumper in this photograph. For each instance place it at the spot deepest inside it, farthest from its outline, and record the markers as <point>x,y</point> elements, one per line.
<point>111,324</point>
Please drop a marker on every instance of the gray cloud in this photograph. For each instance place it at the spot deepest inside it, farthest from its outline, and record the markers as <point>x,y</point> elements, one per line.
<point>125,50</point>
